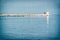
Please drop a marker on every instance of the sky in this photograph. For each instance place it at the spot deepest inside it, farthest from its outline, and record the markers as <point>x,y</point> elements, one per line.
<point>18,27</point>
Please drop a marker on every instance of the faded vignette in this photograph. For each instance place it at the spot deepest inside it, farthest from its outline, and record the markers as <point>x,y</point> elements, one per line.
<point>53,6</point>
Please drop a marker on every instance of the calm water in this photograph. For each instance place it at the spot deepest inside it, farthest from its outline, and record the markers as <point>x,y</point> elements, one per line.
<point>30,27</point>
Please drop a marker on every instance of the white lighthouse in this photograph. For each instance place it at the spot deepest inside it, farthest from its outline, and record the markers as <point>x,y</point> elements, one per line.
<point>47,17</point>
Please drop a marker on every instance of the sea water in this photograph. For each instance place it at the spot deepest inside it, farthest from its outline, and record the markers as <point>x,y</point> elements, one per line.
<point>29,27</point>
